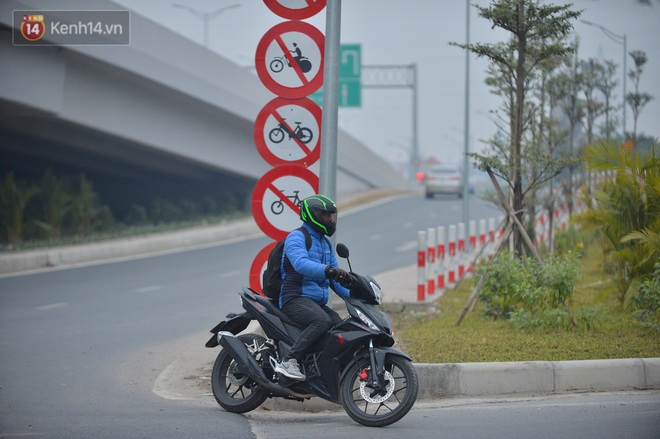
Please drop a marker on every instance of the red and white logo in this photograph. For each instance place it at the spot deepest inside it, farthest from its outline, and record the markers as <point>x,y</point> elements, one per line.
<point>33,27</point>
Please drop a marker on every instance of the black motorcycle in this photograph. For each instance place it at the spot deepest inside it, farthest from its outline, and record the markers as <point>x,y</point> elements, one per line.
<point>354,364</point>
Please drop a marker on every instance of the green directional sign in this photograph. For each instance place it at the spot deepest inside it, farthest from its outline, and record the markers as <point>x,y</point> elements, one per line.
<point>350,72</point>
<point>350,62</point>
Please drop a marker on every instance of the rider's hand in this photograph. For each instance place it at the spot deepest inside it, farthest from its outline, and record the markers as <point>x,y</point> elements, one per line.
<point>347,281</point>
<point>335,273</point>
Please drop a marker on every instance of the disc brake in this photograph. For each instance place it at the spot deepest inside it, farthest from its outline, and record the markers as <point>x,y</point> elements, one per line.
<point>376,397</point>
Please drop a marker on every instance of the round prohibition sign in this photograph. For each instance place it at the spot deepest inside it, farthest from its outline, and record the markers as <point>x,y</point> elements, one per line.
<point>295,9</point>
<point>258,267</point>
<point>276,198</point>
<point>289,59</point>
<point>288,132</point>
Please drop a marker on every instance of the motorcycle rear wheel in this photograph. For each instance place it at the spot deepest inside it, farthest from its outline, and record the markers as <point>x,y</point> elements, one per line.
<point>378,408</point>
<point>234,391</point>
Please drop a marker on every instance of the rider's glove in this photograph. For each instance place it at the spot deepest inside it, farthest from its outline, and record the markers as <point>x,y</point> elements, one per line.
<point>335,273</point>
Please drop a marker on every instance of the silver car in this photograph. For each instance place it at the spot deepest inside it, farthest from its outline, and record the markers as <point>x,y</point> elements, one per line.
<point>443,180</point>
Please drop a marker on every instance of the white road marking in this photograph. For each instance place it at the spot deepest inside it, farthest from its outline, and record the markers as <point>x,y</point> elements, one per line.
<point>149,289</point>
<point>52,306</point>
<point>407,246</point>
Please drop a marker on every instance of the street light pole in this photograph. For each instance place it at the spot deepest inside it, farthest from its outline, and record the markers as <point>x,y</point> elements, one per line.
<point>620,39</point>
<point>205,16</point>
<point>466,139</point>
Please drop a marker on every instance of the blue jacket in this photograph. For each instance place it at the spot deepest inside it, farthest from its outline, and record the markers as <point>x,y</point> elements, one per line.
<point>304,271</point>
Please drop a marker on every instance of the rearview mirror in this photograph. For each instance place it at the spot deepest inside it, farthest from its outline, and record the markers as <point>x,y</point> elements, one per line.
<point>342,250</point>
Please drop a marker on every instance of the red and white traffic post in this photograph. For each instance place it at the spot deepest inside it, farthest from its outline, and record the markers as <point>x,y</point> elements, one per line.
<point>441,237</point>
<point>430,261</point>
<point>451,256</point>
<point>461,250</point>
<point>421,265</point>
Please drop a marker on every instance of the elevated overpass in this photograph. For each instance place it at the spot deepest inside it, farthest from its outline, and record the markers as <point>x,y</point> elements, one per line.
<point>160,114</point>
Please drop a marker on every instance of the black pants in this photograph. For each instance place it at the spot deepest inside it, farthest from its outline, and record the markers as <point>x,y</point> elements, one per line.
<point>315,318</point>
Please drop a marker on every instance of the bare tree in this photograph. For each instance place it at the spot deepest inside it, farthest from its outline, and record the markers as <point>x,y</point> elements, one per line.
<point>568,86</point>
<point>636,100</point>
<point>537,31</point>
<point>607,86</point>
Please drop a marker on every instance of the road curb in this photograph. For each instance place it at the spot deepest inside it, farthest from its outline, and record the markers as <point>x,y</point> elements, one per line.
<point>508,379</point>
<point>479,379</point>
<point>462,380</point>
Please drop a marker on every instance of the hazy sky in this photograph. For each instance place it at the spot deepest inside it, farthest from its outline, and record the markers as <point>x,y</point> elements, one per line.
<point>402,32</point>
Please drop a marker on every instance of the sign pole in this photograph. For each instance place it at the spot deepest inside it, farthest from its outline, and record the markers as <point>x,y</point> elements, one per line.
<point>328,171</point>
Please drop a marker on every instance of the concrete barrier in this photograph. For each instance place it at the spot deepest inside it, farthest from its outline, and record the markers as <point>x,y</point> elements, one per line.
<point>478,379</point>
<point>16,262</point>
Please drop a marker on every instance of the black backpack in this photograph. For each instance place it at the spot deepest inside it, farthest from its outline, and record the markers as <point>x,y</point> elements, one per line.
<point>272,279</point>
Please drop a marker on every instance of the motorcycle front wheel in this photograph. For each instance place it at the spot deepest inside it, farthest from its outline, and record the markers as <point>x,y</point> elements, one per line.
<point>378,408</point>
<point>234,391</point>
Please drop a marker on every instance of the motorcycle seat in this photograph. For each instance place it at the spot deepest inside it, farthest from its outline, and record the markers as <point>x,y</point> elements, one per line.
<point>270,306</point>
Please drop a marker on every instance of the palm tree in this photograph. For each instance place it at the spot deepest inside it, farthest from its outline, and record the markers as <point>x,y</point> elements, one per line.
<point>56,203</point>
<point>14,197</point>
<point>84,205</point>
<point>626,212</point>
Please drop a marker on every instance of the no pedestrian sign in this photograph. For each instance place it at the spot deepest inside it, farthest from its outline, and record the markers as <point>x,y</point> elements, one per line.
<point>277,196</point>
<point>289,132</point>
<point>289,59</point>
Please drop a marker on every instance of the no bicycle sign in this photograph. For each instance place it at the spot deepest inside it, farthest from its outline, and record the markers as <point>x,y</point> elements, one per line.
<point>276,199</point>
<point>289,132</point>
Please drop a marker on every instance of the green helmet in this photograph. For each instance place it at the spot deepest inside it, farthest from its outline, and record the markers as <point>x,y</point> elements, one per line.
<point>312,210</point>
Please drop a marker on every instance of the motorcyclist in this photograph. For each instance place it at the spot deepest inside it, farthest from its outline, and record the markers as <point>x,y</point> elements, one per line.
<point>307,275</point>
<point>297,52</point>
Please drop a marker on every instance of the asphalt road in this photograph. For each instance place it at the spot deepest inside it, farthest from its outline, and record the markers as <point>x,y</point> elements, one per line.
<point>585,416</point>
<point>81,348</point>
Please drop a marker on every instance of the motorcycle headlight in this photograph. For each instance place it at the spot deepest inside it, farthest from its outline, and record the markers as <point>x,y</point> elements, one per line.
<point>376,289</point>
<point>367,321</point>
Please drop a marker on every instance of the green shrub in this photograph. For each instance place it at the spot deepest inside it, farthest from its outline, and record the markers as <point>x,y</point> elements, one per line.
<point>137,215</point>
<point>591,317</point>
<point>505,277</point>
<point>586,317</point>
<point>164,211</point>
<point>573,240</point>
<point>558,277</point>
<point>646,303</point>
<point>534,296</point>
<point>104,220</point>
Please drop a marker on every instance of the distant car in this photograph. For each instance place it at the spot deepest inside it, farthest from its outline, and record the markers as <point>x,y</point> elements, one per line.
<point>443,180</point>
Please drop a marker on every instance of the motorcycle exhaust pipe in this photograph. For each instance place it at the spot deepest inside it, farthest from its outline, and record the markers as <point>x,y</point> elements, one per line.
<point>240,353</point>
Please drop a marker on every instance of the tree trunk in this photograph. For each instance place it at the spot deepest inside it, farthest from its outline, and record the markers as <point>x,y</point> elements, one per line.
<point>517,134</point>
